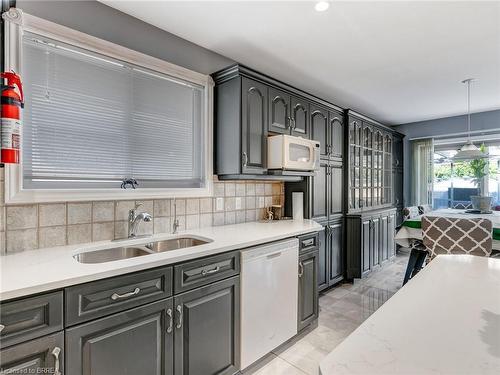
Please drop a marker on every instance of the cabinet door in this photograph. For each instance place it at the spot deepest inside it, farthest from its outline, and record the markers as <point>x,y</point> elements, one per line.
<point>279,111</point>
<point>300,117</point>
<point>367,162</point>
<point>31,357</point>
<point>254,126</point>
<point>336,189</point>
<point>320,129</point>
<point>137,341</point>
<point>366,244</point>
<point>207,329</point>
<point>336,258</point>
<point>384,245</point>
<point>355,166</point>
<point>336,135</point>
<point>319,189</point>
<point>397,151</point>
<point>375,242</point>
<point>397,182</point>
<point>391,229</point>
<point>308,289</point>
<point>323,261</point>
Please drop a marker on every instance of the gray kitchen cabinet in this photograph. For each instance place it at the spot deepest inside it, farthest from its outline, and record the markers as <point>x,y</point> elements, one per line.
<point>30,357</point>
<point>31,317</point>
<point>249,107</point>
<point>320,129</point>
<point>336,188</point>
<point>279,111</point>
<point>136,341</point>
<point>336,135</point>
<point>308,289</point>
<point>299,117</point>
<point>335,252</point>
<point>323,260</point>
<point>254,126</point>
<point>207,329</point>
<point>373,234</point>
<point>320,193</point>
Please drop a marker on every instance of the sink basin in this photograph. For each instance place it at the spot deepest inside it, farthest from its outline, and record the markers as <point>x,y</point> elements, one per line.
<point>127,252</point>
<point>109,255</point>
<point>174,244</point>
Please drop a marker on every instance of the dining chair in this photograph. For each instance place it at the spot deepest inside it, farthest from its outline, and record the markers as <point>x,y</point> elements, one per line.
<point>447,235</point>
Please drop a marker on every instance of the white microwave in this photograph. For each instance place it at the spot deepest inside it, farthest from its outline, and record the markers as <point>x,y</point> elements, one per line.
<point>292,153</point>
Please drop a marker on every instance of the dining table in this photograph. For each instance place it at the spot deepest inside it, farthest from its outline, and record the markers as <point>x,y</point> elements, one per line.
<point>411,229</point>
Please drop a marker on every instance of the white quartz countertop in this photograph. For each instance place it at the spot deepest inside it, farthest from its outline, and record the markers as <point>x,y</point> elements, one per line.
<point>41,270</point>
<point>446,320</point>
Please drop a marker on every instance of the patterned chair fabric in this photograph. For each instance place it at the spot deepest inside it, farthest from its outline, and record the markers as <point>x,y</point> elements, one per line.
<point>446,235</point>
<point>424,209</point>
<point>462,205</point>
<point>410,212</point>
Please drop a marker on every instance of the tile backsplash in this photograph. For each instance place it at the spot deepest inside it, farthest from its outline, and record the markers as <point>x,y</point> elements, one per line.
<point>33,226</point>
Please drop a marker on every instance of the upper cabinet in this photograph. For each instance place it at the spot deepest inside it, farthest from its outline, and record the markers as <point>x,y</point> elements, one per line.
<point>250,106</point>
<point>370,164</point>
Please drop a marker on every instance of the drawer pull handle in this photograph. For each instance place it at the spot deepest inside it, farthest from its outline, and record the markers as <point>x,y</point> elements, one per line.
<point>56,353</point>
<point>210,272</point>
<point>179,322</point>
<point>170,320</point>
<point>301,269</point>
<point>1,327</point>
<point>116,296</point>
<point>308,242</point>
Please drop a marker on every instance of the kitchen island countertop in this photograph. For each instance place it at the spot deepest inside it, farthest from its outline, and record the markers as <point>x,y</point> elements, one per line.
<point>41,270</point>
<point>446,320</point>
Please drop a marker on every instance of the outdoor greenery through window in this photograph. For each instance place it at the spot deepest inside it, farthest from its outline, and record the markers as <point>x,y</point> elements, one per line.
<point>456,181</point>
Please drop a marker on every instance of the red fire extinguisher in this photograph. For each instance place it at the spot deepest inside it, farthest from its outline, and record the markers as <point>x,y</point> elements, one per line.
<point>12,103</point>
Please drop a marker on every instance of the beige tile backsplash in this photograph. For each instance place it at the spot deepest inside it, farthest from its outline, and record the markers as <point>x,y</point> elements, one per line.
<point>33,226</point>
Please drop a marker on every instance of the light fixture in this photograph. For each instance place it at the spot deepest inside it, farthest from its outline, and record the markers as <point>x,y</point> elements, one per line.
<point>321,6</point>
<point>469,150</point>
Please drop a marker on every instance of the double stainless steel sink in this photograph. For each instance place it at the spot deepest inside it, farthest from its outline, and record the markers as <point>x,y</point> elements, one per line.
<point>132,251</point>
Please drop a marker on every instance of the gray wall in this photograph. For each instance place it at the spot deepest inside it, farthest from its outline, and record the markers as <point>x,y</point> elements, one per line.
<point>94,18</point>
<point>443,126</point>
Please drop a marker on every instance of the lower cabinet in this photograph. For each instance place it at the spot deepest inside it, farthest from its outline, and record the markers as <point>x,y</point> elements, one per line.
<point>331,255</point>
<point>136,341</point>
<point>30,357</point>
<point>308,288</point>
<point>206,337</point>
<point>195,333</point>
<point>370,241</point>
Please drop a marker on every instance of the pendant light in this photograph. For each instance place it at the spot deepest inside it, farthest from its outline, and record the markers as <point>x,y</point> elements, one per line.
<point>469,150</point>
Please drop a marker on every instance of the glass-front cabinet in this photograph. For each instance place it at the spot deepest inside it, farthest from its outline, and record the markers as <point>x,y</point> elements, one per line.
<point>370,166</point>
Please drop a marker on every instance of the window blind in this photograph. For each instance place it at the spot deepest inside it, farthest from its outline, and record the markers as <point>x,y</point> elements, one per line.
<point>91,121</point>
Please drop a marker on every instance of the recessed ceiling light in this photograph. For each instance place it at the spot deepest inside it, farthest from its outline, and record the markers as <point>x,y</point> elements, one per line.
<point>321,6</point>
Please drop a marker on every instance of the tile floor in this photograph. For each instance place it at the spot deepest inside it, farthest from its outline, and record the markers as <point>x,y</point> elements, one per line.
<point>342,310</point>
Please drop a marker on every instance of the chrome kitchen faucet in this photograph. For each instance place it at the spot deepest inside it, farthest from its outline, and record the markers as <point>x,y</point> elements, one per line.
<point>134,220</point>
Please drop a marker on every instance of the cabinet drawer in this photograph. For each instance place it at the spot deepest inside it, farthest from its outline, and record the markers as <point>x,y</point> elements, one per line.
<point>31,317</point>
<point>200,272</point>
<point>308,242</point>
<point>95,299</point>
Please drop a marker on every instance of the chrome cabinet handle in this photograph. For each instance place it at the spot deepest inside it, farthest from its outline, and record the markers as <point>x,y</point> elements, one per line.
<point>245,159</point>
<point>210,272</point>
<point>308,242</point>
<point>170,320</point>
<point>1,327</point>
<point>179,322</point>
<point>56,353</point>
<point>288,122</point>
<point>301,269</point>
<point>116,296</point>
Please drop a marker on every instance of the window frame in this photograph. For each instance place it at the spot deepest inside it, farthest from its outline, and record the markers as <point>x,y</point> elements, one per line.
<point>16,22</point>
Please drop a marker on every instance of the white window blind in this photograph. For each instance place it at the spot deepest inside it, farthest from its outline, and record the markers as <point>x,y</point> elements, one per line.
<point>91,121</point>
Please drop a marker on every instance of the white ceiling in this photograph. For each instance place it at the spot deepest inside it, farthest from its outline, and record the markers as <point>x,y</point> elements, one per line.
<point>398,62</point>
